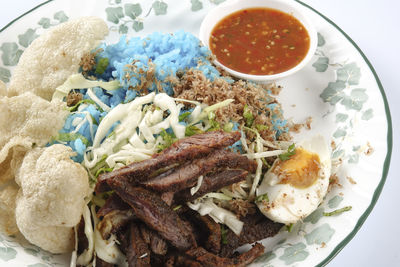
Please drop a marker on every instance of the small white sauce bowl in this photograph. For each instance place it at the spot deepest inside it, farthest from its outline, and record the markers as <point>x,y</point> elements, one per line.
<point>290,7</point>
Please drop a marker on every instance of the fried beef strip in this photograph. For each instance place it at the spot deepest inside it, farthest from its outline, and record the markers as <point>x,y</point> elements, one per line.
<point>211,183</point>
<point>189,148</point>
<point>101,263</point>
<point>83,242</point>
<point>114,202</point>
<point>181,261</point>
<point>137,251</point>
<point>168,197</point>
<point>157,244</point>
<point>256,227</point>
<point>208,259</point>
<point>155,213</point>
<point>186,175</point>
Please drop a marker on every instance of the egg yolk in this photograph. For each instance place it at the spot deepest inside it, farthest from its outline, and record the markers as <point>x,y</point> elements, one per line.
<point>301,170</point>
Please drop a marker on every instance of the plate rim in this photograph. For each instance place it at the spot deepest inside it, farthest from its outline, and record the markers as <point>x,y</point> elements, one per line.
<point>389,138</point>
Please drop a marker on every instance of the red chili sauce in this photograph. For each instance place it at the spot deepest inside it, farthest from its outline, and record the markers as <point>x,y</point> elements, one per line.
<point>259,41</point>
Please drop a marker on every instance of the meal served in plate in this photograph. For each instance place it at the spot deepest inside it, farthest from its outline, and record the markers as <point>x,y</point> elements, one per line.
<point>144,153</point>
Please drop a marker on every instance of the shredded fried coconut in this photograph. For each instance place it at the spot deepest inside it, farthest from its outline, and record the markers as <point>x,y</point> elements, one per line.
<point>193,85</point>
<point>88,61</point>
<point>73,98</point>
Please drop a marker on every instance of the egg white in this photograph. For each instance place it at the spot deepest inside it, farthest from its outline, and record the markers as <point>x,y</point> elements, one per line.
<point>287,204</point>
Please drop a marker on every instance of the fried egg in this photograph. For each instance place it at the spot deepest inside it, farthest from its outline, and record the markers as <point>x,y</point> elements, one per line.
<point>294,188</point>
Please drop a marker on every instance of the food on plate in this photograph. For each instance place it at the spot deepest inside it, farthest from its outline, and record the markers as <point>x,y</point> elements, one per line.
<point>50,200</point>
<point>8,194</point>
<point>26,121</point>
<point>259,41</point>
<point>144,152</point>
<point>58,52</point>
<point>294,187</point>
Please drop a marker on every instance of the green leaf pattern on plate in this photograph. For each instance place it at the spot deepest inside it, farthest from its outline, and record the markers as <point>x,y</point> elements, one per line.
<point>12,51</point>
<point>196,5</point>
<point>60,16</point>
<point>315,216</point>
<point>114,14</point>
<point>334,202</point>
<point>7,253</point>
<point>160,8</point>
<point>320,235</point>
<point>27,38</point>
<point>294,253</point>
<point>344,91</point>
<point>5,74</point>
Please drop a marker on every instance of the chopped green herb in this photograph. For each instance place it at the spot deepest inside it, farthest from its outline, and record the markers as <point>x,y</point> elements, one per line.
<point>338,211</point>
<point>102,170</point>
<point>93,120</point>
<point>263,197</point>
<point>228,127</point>
<point>192,130</point>
<point>248,116</point>
<point>213,123</point>
<point>264,161</point>
<point>101,66</point>
<point>290,152</point>
<point>83,101</point>
<point>66,137</point>
<point>169,139</point>
<point>289,227</point>
<point>184,115</point>
<point>261,127</point>
<point>177,208</point>
<point>224,232</point>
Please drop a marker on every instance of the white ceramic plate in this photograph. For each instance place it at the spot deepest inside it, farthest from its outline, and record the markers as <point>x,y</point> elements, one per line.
<point>339,89</point>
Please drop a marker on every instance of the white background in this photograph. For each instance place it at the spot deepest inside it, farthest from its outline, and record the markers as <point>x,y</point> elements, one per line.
<point>375,27</point>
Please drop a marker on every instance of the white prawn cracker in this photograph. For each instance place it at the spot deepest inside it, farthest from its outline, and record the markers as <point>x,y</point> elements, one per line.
<point>28,120</point>
<point>51,197</point>
<point>55,55</point>
<point>8,195</point>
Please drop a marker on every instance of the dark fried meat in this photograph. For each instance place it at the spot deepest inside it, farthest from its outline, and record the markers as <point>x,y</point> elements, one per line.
<point>82,239</point>
<point>138,252</point>
<point>256,227</point>
<point>114,202</point>
<point>113,221</point>
<point>157,244</point>
<point>206,230</point>
<point>184,261</point>
<point>211,183</point>
<point>189,148</point>
<point>156,214</point>
<point>208,259</point>
<point>168,197</point>
<point>186,175</point>
<point>101,263</point>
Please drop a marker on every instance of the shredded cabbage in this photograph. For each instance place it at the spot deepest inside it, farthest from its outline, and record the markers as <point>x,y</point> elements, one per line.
<point>196,188</point>
<point>107,250</point>
<point>218,214</point>
<point>77,81</point>
<point>85,258</point>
